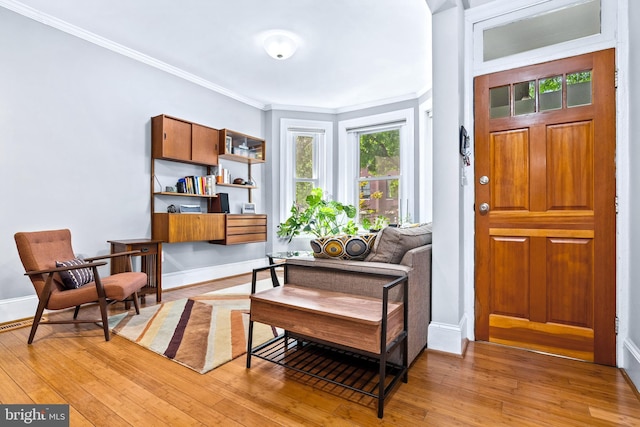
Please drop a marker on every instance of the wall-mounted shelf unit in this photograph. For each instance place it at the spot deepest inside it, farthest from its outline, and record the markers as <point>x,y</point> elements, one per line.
<point>239,147</point>
<point>179,140</point>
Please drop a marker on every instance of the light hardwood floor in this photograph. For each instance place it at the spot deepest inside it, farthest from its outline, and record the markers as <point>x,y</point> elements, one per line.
<point>119,383</point>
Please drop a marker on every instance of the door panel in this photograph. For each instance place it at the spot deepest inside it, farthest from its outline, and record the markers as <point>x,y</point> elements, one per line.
<point>570,281</point>
<point>570,166</point>
<point>510,171</point>
<point>510,292</point>
<point>551,214</point>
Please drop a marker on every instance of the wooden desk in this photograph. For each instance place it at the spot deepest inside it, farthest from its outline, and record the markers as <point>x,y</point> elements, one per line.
<point>151,262</point>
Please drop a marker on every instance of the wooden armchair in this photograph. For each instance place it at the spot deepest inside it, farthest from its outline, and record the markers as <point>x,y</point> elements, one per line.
<point>41,250</point>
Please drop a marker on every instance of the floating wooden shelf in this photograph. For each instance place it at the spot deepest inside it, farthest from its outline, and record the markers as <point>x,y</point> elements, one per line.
<point>222,184</point>
<point>240,159</point>
<point>170,193</point>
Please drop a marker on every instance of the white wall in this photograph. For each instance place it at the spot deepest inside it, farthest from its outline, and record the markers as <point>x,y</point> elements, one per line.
<point>448,329</point>
<point>75,150</point>
<point>632,344</point>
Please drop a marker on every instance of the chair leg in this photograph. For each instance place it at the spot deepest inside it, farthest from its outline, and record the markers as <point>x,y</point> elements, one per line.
<point>103,312</point>
<point>36,321</point>
<point>136,303</point>
<point>76,311</point>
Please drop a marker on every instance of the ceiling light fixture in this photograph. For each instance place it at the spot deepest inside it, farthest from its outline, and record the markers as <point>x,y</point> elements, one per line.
<point>280,44</point>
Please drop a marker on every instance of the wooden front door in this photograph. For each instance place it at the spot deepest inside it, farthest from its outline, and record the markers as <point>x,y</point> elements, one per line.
<point>545,207</point>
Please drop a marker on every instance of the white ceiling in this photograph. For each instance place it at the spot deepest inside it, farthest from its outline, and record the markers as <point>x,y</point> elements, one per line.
<point>352,52</point>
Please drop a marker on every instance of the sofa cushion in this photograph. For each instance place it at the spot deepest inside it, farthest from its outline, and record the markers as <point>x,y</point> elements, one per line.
<point>392,242</point>
<point>73,279</point>
<point>343,247</point>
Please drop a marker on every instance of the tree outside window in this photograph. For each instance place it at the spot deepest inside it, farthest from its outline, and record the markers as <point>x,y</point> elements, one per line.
<point>379,176</point>
<point>306,177</point>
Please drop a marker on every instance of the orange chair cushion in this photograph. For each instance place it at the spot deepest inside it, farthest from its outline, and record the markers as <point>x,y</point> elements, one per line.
<point>116,287</point>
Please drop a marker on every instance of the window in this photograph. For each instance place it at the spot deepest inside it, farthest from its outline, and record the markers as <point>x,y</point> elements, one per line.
<point>379,175</point>
<point>305,178</point>
<point>306,153</point>
<point>376,164</point>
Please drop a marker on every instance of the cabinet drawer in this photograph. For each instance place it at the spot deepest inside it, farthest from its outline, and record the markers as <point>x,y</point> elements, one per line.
<point>246,220</point>
<point>246,238</point>
<point>244,229</point>
<point>173,228</point>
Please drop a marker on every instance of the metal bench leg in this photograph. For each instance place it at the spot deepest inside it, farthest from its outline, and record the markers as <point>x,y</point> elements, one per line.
<point>249,343</point>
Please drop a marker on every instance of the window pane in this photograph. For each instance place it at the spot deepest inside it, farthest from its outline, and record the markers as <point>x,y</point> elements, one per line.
<point>380,154</point>
<point>550,93</point>
<point>499,100</point>
<point>579,89</point>
<point>557,26</point>
<point>524,96</point>
<point>304,156</point>
<point>302,191</point>
<point>379,198</point>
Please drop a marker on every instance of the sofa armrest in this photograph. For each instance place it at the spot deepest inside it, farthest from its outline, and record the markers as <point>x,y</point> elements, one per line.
<point>417,256</point>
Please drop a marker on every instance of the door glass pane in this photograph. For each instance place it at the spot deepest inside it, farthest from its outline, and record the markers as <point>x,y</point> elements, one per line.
<point>524,97</point>
<point>550,90</point>
<point>499,102</point>
<point>579,89</point>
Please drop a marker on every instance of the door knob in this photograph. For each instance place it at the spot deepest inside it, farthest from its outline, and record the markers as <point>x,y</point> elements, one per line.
<point>484,208</point>
<point>484,179</point>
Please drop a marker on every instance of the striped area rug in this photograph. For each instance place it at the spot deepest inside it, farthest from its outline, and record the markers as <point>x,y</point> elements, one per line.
<point>201,332</point>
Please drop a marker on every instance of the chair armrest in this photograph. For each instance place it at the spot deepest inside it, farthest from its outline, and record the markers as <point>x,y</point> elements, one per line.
<point>71,267</point>
<point>128,253</point>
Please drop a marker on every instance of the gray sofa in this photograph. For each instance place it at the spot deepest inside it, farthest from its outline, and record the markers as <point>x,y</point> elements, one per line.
<point>409,254</point>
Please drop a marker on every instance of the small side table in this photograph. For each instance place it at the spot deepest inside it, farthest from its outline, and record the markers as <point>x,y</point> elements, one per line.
<point>151,262</point>
<point>284,255</point>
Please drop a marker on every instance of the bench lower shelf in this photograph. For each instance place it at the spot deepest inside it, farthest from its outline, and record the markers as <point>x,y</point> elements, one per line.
<point>339,366</point>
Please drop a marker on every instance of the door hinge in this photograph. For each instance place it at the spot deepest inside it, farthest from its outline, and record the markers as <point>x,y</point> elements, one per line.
<point>617,324</point>
<point>615,79</point>
<point>616,202</point>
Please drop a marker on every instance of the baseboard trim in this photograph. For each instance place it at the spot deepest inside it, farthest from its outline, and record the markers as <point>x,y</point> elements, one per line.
<point>448,338</point>
<point>199,275</point>
<point>631,362</point>
<point>13,309</point>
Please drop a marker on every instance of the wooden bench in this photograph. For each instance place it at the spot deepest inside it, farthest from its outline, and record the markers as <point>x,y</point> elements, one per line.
<point>373,327</point>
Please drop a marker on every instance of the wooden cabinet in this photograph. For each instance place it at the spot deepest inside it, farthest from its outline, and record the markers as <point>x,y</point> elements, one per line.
<point>204,144</point>
<point>244,229</point>
<point>239,147</point>
<point>176,228</point>
<point>180,140</point>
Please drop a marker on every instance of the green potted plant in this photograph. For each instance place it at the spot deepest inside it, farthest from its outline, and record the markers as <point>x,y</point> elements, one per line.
<point>320,217</point>
<point>376,225</point>
<point>332,225</point>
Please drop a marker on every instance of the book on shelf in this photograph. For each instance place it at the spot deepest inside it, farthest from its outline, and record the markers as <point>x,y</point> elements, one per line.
<point>198,185</point>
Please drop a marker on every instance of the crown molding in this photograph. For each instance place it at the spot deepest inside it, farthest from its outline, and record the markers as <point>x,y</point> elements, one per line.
<point>68,28</point>
<point>356,107</point>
